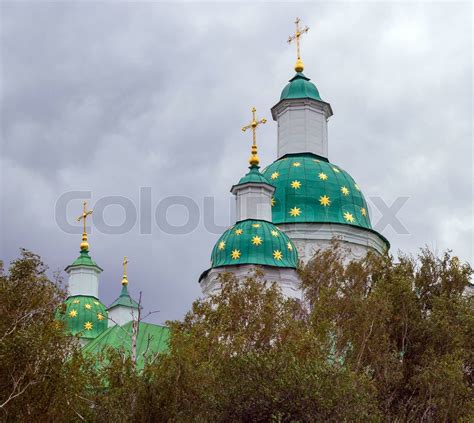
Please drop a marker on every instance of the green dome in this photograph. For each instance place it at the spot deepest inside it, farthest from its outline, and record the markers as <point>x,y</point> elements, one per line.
<point>300,87</point>
<point>254,176</point>
<point>84,316</point>
<point>84,259</point>
<point>310,189</point>
<point>254,242</point>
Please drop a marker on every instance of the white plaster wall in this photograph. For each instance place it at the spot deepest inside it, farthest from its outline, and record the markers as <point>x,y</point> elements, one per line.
<point>310,237</point>
<point>302,127</point>
<point>120,315</point>
<point>83,281</point>
<point>253,201</point>
<point>287,279</point>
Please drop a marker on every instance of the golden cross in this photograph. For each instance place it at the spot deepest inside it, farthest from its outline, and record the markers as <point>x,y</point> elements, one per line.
<point>296,36</point>
<point>83,216</point>
<point>254,160</point>
<point>124,279</point>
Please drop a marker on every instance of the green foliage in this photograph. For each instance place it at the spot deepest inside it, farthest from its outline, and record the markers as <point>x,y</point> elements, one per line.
<point>42,375</point>
<point>408,324</point>
<point>374,340</point>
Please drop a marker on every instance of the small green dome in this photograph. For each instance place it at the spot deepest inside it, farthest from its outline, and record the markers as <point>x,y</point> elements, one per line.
<point>300,87</point>
<point>254,242</point>
<point>310,189</point>
<point>84,259</point>
<point>84,316</point>
<point>254,176</point>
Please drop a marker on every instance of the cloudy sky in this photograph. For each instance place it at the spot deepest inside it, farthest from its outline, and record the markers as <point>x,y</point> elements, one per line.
<point>132,103</point>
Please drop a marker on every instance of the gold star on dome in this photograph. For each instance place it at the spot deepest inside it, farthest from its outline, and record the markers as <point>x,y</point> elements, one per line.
<point>363,211</point>
<point>290,247</point>
<point>336,170</point>
<point>76,302</point>
<point>296,164</point>
<point>324,201</point>
<point>277,255</point>
<point>73,313</point>
<point>239,231</point>
<point>88,326</point>
<point>295,211</point>
<point>256,240</point>
<point>100,316</point>
<point>221,245</point>
<point>314,160</point>
<point>275,175</point>
<point>275,233</point>
<point>96,303</point>
<point>345,191</point>
<point>296,184</point>
<point>88,306</point>
<point>357,187</point>
<point>348,216</point>
<point>273,202</point>
<point>235,254</point>
<point>323,176</point>
<point>255,225</point>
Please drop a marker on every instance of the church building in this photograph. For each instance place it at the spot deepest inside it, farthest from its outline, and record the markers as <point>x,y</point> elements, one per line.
<point>286,212</point>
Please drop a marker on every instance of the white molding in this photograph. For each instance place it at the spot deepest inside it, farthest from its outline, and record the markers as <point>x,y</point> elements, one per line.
<point>310,237</point>
<point>286,278</point>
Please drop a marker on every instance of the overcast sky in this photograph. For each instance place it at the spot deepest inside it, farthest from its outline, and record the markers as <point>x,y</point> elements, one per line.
<point>118,98</point>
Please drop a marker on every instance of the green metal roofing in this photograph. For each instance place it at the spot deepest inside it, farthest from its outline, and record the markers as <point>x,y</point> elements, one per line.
<point>84,259</point>
<point>84,316</point>
<point>254,176</point>
<point>254,242</point>
<point>300,87</point>
<point>310,189</point>
<point>124,299</point>
<point>151,339</point>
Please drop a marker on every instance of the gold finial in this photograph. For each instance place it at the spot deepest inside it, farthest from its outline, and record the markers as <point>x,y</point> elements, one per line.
<point>124,278</point>
<point>296,36</point>
<point>83,216</point>
<point>254,160</point>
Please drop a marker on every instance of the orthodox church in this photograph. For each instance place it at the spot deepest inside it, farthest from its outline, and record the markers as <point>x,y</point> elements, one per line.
<point>284,213</point>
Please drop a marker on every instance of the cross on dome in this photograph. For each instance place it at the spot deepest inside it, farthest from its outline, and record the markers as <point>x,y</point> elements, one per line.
<point>83,217</point>
<point>254,160</point>
<point>296,36</point>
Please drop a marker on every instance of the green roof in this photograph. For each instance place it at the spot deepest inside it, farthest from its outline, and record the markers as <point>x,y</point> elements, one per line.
<point>151,339</point>
<point>84,316</point>
<point>310,189</point>
<point>300,87</point>
<point>84,259</point>
<point>124,299</point>
<point>254,176</point>
<point>254,242</point>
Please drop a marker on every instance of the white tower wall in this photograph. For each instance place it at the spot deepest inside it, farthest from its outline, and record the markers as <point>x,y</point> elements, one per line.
<point>84,280</point>
<point>302,126</point>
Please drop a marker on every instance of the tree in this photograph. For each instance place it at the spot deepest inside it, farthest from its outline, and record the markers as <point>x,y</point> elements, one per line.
<point>41,370</point>
<point>408,324</point>
<point>249,354</point>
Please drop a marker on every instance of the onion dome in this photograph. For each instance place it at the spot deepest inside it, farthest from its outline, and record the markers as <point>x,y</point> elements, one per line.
<point>84,259</point>
<point>254,242</point>
<point>124,300</point>
<point>84,316</point>
<point>151,339</point>
<point>254,176</point>
<point>300,87</point>
<point>311,189</point>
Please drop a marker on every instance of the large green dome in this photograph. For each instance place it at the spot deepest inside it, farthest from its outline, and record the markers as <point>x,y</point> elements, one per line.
<point>310,189</point>
<point>84,316</point>
<point>300,87</point>
<point>254,242</point>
